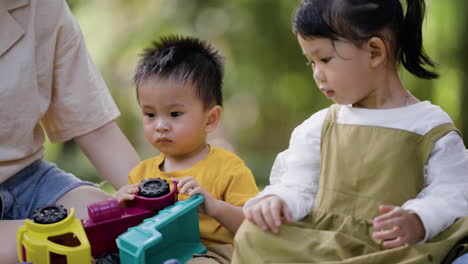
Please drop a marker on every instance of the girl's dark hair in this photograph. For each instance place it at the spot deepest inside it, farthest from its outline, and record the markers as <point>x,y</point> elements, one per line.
<point>185,59</point>
<point>360,20</point>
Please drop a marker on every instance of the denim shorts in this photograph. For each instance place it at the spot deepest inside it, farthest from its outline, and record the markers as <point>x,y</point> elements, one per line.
<point>38,184</point>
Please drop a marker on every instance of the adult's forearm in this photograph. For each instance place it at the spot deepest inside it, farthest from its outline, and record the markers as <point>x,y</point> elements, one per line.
<point>110,152</point>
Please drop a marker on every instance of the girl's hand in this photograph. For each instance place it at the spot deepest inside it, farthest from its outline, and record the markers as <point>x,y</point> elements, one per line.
<point>191,187</point>
<point>268,212</point>
<point>127,193</point>
<point>398,227</point>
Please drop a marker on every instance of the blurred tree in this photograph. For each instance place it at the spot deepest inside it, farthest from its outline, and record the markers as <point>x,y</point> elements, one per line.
<point>268,88</point>
<point>460,57</point>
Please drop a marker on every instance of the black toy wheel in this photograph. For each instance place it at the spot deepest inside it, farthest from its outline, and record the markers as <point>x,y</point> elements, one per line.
<point>154,187</point>
<point>49,214</point>
<point>108,258</point>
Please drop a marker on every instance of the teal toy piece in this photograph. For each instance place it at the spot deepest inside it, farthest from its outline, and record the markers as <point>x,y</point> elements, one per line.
<point>171,234</point>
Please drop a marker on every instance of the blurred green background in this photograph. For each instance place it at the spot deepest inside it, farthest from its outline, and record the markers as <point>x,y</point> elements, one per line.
<point>268,88</point>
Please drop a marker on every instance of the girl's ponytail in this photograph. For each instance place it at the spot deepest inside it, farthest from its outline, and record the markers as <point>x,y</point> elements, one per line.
<point>360,20</point>
<point>412,54</point>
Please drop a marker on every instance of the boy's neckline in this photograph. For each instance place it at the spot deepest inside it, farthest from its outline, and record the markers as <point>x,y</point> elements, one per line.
<point>178,168</point>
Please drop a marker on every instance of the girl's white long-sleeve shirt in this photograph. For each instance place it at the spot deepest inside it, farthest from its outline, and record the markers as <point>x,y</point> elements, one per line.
<point>295,174</point>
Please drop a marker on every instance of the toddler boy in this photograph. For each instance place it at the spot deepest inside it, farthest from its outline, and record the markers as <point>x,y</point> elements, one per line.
<point>179,89</point>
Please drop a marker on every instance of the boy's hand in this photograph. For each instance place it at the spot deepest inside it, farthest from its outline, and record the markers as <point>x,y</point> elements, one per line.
<point>191,187</point>
<point>398,227</point>
<point>268,212</point>
<point>127,193</point>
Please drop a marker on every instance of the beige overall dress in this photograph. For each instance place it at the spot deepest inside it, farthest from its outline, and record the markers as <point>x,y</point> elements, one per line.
<point>362,167</point>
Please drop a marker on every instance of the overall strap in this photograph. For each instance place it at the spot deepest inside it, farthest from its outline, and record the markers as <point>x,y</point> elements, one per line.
<point>435,134</point>
<point>330,118</point>
<point>332,114</point>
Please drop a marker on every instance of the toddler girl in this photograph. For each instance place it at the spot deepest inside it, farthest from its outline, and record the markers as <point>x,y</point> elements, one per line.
<point>379,177</point>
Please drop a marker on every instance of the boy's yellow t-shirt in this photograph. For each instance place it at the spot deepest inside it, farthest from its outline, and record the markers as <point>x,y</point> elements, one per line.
<point>221,173</point>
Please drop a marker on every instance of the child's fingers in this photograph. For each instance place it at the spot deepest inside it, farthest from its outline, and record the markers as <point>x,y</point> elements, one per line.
<point>276,209</point>
<point>183,181</point>
<point>129,197</point>
<point>397,242</point>
<point>196,190</point>
<point>394,212</point>
<point>134,189</point>
<point>386,208</point>
<point>269,214</point>
<point>125,188</point>
<point>189,186</point>
<point>287,213</point>
<point>130,188</point>
<point>279,209</point>
<point>258,219</point>
<point>388,224</point>
<point>389,234</point>
<point>248,214</point>
<point>125,197</point>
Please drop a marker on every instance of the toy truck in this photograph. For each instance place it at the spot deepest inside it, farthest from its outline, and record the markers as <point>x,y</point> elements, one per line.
<point>56,237</point>
<point>107,220</point>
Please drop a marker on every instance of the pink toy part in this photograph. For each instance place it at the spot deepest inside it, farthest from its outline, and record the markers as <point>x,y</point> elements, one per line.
<point>107,220</point>
<point>104,210</point>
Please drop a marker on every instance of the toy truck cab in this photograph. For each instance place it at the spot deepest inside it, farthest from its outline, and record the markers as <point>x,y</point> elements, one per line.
<point>53,237</point>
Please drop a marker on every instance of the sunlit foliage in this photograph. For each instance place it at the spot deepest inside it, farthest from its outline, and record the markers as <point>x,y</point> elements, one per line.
<point>268,88</point>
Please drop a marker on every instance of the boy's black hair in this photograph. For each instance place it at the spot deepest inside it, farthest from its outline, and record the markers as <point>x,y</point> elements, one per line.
<point>360,20</point>
<point>185,59</point>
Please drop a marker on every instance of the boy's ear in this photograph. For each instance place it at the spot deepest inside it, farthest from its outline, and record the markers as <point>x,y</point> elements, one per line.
<point>214,117</point>
<point>378,51</point>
